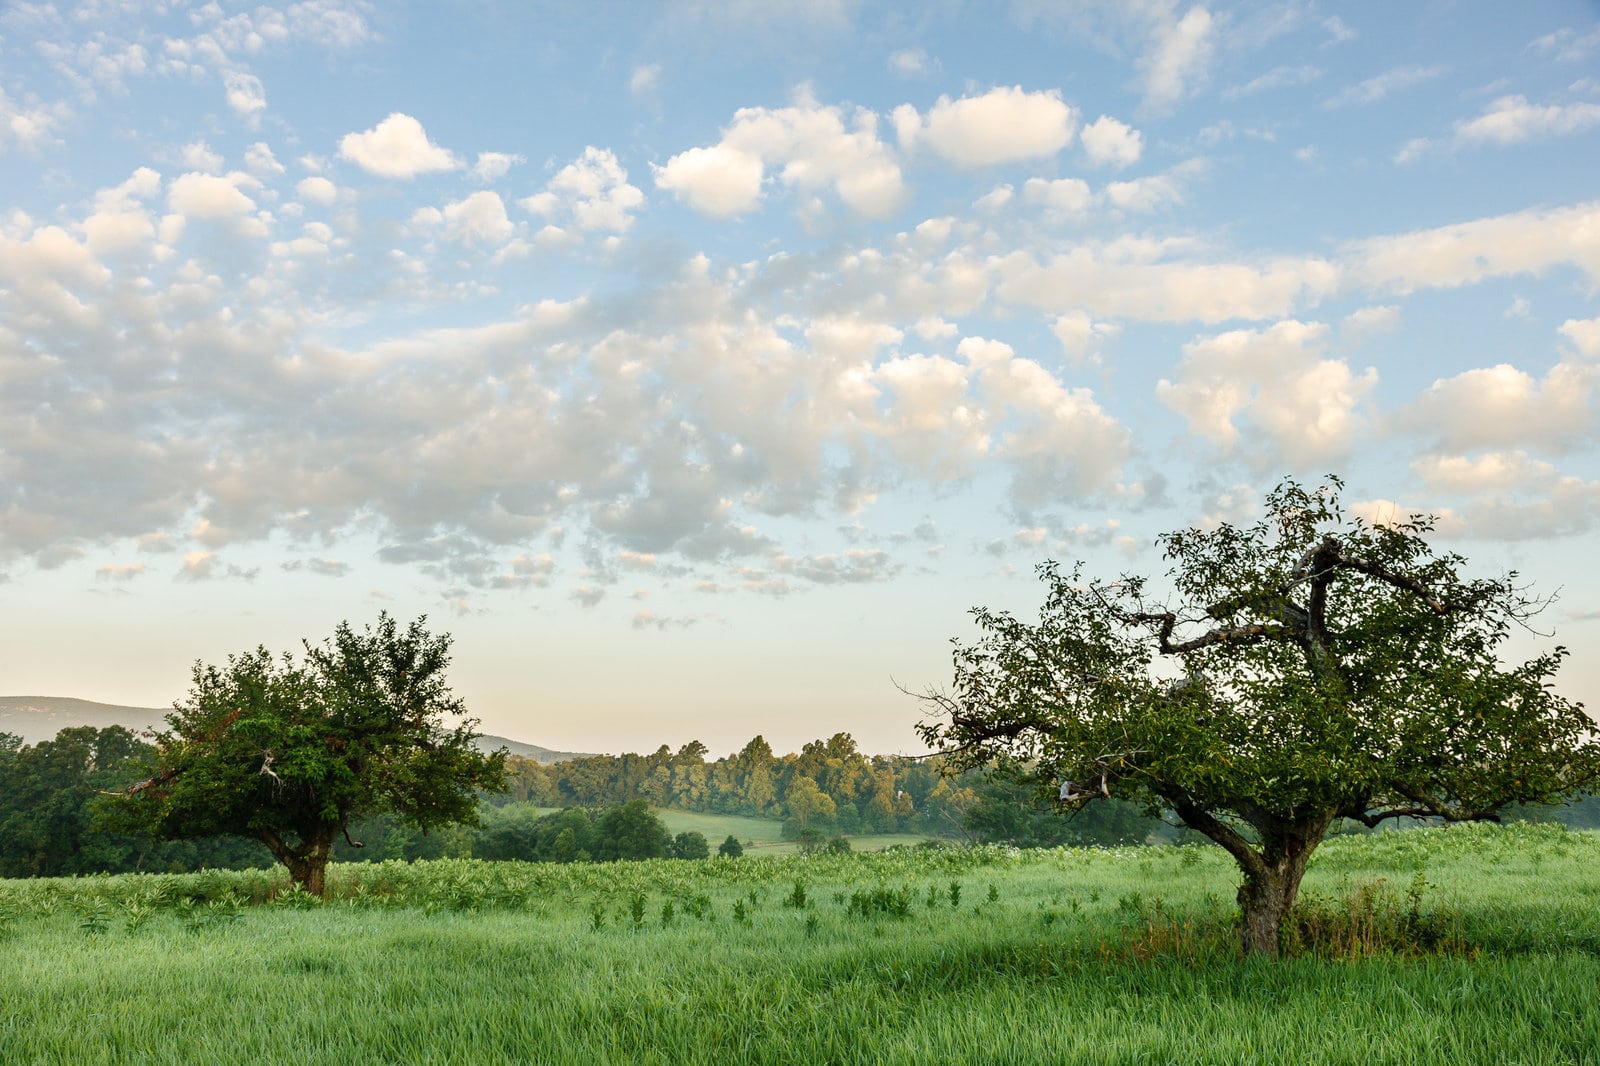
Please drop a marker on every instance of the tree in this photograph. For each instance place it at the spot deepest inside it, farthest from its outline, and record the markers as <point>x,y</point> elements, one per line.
<point>1320,668</point>
<point>808,803</point>
<point>730,848</point>
<point>632,831</point>
<point>290,753</point>
<point>691,844</point>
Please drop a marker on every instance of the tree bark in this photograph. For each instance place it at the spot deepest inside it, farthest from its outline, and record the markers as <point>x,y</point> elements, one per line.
<point>1271,885</point>
<point>308,863</point>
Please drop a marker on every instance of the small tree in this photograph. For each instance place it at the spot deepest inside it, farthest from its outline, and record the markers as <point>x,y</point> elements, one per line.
<point>730,848</point>
<point>291,752</point>
<point>691,844</point>
<point>1321,668</point>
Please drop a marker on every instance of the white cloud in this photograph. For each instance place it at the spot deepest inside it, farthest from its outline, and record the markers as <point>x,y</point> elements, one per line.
<point>1370,321</point>
<point>645,79</point>
<point>1508,120</point>
<point>1276,78</point>
<point>246,96</point>
<point>1146,194</point>
<point>260,161</point>
<point>720,181</point>
<point>1111,143</point>
<point>812,146</point>
<point>478,219</point>
<point>208,196</point>
<point>1081,336</point>
<point>1512,120</point>
<point>1527,242</point>
<point>1298,408</point>
<point>592,192</point>
<point>199,156</point>
<point>317,190</point>
<point>1567,44</point>
<point>1179,57</point>
<point>492,166</point>
<point>911,63</point>
<point>1505,406</point>
<point>28,125</point>
<point>1380,86</point>
<point>397,147</point>
<point>1488,472</point>
<point>1004,125</point>
<point>1069,197</point>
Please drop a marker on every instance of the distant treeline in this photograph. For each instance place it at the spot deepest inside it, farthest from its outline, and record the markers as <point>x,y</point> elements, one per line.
<point>49,794</point>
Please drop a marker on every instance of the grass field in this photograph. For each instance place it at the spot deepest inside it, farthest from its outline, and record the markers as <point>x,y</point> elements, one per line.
<point>982,956</point>
<point>765,835</point>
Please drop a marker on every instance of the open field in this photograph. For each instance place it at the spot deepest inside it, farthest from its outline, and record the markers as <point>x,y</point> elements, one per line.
<point>765,835</point>
<point>902,957</point>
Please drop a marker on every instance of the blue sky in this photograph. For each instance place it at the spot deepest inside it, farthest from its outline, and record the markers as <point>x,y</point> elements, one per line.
<point>697,365</point>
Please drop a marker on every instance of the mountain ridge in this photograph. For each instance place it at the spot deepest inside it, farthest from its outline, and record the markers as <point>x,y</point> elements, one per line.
<point>36,718</point>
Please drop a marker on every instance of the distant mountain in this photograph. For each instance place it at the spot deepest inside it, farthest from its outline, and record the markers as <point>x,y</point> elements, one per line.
<point>36,718</point>
<point>529,751</point>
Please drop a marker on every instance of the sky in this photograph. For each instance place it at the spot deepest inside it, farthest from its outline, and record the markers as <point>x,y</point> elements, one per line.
<point>699,365</point>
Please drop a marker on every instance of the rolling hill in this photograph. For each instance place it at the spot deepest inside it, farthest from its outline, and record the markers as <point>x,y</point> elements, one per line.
<point>36,718</point>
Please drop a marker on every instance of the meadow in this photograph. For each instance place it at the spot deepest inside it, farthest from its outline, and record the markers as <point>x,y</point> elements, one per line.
<point>1462,945</point>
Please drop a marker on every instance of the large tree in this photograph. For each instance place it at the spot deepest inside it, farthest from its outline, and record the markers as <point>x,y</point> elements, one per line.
<point>1307,668</point>
<point>291,752</point>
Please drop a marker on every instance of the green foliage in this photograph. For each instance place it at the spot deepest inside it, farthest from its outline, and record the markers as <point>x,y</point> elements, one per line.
<point>730,848</point>
<point>48,795</point>
<point>691,844</point>
<point>1329,669</point>
<point>291,753</point>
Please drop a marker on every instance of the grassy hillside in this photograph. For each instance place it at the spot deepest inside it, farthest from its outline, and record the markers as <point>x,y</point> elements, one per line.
<point>1476,944</point>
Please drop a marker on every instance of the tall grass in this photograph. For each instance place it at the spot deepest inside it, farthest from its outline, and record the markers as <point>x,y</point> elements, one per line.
<point>948,956</point>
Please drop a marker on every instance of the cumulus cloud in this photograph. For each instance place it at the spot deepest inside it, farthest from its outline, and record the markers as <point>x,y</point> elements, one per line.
<point>812,148</point>
<point>720,181</point>
<point>212,198</point>
<point>246,96</point>
<point>492,166</point>
<point>1003,125</point>
<point>591,194</point>
<point>1504,405</point>
<point>478,219</point>
<point>28,125</point>
<point>317,190</point>
<point>1270,395</point>
<point>397,147</point>
<point>1111,143</point>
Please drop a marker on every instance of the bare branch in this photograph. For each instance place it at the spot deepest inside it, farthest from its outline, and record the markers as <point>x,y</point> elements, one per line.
<point>1246,634</point>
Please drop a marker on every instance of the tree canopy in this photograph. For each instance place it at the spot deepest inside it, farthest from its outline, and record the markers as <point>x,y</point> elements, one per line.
<point>1304,669</point>
<point>291,752</point>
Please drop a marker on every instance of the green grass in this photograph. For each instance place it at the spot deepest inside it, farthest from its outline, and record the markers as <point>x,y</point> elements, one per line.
<point>765,835</point>
<point>1079,956</point>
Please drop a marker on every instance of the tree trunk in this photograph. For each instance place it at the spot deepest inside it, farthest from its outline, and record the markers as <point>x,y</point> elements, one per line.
<point>1270,886</point>
<point>308,863</point>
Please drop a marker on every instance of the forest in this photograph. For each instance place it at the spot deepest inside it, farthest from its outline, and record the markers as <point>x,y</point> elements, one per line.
<point>52,794</point>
